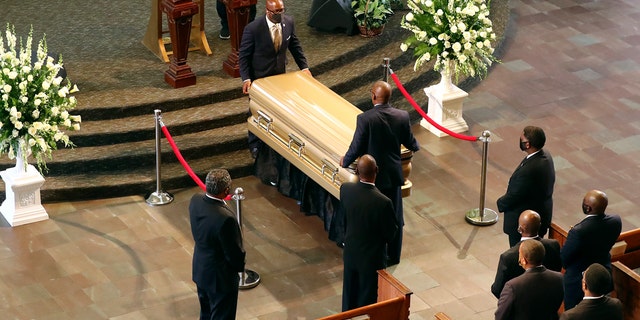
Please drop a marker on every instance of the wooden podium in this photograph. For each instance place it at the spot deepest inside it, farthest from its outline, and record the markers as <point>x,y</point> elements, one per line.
<point>238,17</point>
<point>156,38</point>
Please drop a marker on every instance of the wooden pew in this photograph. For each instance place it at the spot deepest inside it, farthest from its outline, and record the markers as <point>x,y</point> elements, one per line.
<point>625,256</point>
<point>394,299</point>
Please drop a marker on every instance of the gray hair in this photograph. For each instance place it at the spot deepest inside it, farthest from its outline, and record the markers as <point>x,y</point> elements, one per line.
<point>217,181</point>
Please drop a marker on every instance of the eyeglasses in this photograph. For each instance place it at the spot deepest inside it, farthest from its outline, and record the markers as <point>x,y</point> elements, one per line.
<point>281,11</point>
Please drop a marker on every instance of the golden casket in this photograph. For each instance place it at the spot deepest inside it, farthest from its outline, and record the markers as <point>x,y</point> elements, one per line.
<point>310,126</point>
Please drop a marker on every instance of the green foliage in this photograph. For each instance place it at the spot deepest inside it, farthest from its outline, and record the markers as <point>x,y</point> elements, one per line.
<point>371,14</point>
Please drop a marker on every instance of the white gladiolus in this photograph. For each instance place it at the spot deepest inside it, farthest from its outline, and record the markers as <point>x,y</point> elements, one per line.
<point>57,81</point>
<point>57,136</point>
<point>404,47</point>
<point>76,126</point>
<point>75,118</point>
<point>42,143</point>
<point>46,85</point>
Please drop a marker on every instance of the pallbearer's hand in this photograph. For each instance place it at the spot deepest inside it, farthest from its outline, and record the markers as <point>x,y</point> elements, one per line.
<point>245,86</point>
<point>307,71</point>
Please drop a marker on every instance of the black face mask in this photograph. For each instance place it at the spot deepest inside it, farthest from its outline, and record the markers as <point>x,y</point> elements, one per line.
<point>276,17</point>
<point>523,145</point>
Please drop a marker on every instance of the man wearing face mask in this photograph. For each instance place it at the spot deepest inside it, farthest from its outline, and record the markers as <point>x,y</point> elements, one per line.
<point>588,242</point>
<point>263,53</point>
<point>530,186</point>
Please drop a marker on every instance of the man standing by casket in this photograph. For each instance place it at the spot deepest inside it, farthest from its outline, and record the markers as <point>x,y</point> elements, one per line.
<point>379,132</point>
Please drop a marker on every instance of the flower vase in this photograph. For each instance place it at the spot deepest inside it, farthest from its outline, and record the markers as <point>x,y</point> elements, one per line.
<point>445,104</point>
<point>22,204</point>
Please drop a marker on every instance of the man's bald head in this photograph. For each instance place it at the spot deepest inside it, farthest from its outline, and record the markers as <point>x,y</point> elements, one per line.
<point>529,223</point>
<point>367,168</point>
<point>380,92</point>
<point>595,202</point>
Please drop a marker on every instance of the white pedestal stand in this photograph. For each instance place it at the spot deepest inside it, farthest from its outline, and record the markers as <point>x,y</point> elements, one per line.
<point>22,204</point>
<point>445,107</point>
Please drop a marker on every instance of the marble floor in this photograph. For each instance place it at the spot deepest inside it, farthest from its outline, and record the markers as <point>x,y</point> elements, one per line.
<point>571,67</point>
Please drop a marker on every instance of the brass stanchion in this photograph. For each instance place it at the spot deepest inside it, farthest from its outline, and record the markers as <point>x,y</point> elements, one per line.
<point>483,216</point>
<point>158,197</point>
<point>248,278</point>
<point>387,69</point>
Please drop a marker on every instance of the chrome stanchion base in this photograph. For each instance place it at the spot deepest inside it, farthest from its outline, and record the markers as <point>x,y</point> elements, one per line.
<point>251,279</point>
<point>156,199</point>
<point>473,216</point>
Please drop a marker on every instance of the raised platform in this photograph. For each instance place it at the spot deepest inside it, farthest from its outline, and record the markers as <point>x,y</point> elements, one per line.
<point>121,84</point>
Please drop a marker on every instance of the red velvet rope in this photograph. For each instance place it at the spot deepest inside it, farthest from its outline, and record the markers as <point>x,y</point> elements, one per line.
<point>424,115</point>
<point>184,163</point>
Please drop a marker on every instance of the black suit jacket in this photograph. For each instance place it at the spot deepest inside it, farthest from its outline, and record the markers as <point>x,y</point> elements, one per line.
<point>595,309</point>
<point>530,188</point>
<point>258,58</point>
<point>379,132</point>
<point>218,254</point>
<point>587,242</point>
<point>508,267</point>
<point>370,224</point>
<point>535,295</point>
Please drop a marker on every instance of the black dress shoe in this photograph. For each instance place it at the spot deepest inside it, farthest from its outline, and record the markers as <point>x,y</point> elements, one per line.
<point>254,153</point>
<point>224,34</point>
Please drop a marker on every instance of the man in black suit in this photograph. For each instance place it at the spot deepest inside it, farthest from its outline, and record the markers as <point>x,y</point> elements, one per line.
<point>508,268</point>
<point>537,293</point>
<point>261,54</point>
<point>218,254</point>
<point>530,186</point>
<point>588,242</point>
<point>596,283</point>
<point>379,132</point>
<point>258,56</point>
<point>370,222</point>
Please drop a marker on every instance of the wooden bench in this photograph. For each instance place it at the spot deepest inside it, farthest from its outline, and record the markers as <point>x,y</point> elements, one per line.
<point>393,302</point>
<point>625,256</point>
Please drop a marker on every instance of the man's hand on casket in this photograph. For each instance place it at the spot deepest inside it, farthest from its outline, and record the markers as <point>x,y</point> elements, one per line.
<point>245,86</point>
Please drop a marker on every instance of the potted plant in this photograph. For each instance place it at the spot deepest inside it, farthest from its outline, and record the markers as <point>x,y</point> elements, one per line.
<point>371,15</point>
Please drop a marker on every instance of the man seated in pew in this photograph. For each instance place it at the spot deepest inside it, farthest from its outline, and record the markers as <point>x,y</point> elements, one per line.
<point>379,132</point>
<point>537,293</point>
<point>588,242</point>
<point>370,224</point>
<point>508,268</point>
<point>596,283</point>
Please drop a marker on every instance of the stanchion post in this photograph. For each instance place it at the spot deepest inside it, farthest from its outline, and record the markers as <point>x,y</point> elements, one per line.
<point>248,278</point>
<point>483,216</point>
<point>385,67</point>
<point>158,197</point>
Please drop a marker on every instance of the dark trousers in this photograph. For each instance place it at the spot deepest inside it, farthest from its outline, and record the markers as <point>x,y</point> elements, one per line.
<point>222,13</point>
<point>394,248</point>
<point>217,305</point>
<point>359,288</point>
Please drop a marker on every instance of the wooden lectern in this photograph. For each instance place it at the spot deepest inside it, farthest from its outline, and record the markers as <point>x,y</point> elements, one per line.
<point>179,15</point>
<point>238,17</point>
<point>155,38</point>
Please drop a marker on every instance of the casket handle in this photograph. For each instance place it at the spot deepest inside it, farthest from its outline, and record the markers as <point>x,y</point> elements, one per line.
<point>334,170</point>
<point>268,121</point>
<point>294,139</point>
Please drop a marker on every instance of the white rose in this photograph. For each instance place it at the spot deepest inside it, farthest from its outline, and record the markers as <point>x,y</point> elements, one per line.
<point>6,88</point>
<point>58,136</point>
<point>445,54</point>
<point>462,27</point>
<point>487,43</point>
<point>467,45</point>
<point>433,41</point>
<point>403,47</point>
<point>38,125</point>
<point>479,45</point>
<point>43,144</point>
<point>36,102</point>
<point>26,69</point>
<point>37,65</point>
<point>22,85</point>
<point>439,12</point>
<point>55,111</point>
<point>18,125</point>
<point>24,99</point>
<point>64,114</point>
<point>57,81</point>
<point>456,47</point>
<point>46,85</point>
<point>30,78</point>
<point>428,3</point>
<point>462,58</point>
<point>67,123</point>
<point>454,29</point>
<point>12,75</point>
<point>76,126</point>
<point>5,97</point>
<point>63,92</point>
<point>32,131</point>
<point>32,142</point>
<point>14,133</point>
<point>409,17</point>
<point>466,35</point>
<point>13,112</point>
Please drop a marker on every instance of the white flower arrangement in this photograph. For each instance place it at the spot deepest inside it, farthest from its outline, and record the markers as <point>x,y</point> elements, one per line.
<point>457,33</point>
<point>34,101</point>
